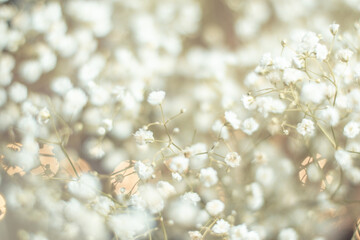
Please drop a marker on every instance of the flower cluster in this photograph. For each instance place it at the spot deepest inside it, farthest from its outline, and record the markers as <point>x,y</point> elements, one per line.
<point>179,119</point>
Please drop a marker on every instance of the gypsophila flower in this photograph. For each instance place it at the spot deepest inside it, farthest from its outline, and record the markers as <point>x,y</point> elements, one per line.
<point>215,207</point>
<point>144,171</point>
<point>165,189</point>
<point>249,126</point>
<point>232,118</point>
<point>321,52</point>
<point>288,234</point>
<point>232,159</point>
<point>344,55</point>
<point>306,127</point>
<point>179,164</point>
<point>43,116</point>
<point>143,136</point>
<point>344,159</point>
<point>156,97</point>
<point>176,176</point>
<point>334,28</point>
<point>248,102</point>
<point>192,197</point>
<point>221,227</point>
<point>352,129</point>
<point>195,235</point>
<point>208,176</point>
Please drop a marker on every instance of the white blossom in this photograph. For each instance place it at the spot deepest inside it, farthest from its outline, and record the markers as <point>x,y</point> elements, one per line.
<point>156,97</point>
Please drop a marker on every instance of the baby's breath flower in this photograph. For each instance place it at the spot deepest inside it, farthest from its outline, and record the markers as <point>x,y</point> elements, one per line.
<point>144,171</point>
<point>334,28</point>
<point>208,176</point>
<point>221,227</point>
<point>195,235</point>
<point>143,136</point>
<point>249,126</point>
<point>232,159</point>
<point>156,97</point>
<point>306,127</point>
<point>179,164</point>
<point>215,207</point>
<point>352,129</point>
<point>344,55</point>
<point>232,118</point>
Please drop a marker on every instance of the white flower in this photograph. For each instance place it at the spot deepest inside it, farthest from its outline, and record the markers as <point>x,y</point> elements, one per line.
<point>330,115</point>
<point>215,207</point>
<point>344,55</point>
<point>176,176</point>
<point>232,118</point>
<point>288,234</point>
<point>265,175</point>
<point>334,28</point>
<point>156,97</point>
<point>306,127</point>
<point>61,85</point>
<point>18,92</point>
<point>30,71</point>
<point>144,171</point>
<point>179,164</point>
<point>143,136</point>
<point>240,232</point>
<point>248,102</point>
<point>255,198</point>
<point>321,52</point>
<point>352,129</point>
<point>221,227</point>
<point>208,176</point>
<point>249,126</point>
<point>192,197</point>
<point>43,116</point>
<point>86,187</point>
<point>344,159</point>
<point>195,235</point>
<point>150,198</point>
<point>232,159</point>
<point>165,189</point>
<point>313,92</point>
<point>292,75</point>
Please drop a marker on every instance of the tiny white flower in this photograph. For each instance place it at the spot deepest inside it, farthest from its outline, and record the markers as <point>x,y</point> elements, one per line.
<point>208,176</point>
<point>192,197</point>
<point>321,52</point>
<point>144,171</point>
<point>344,159</point>
<point>288,234</point>
<point>249,126</point>
<point>352,129</point>
<point>215,207</point>
<point>292,75</point>
<point>344,55</point>
<point>165,189</point>
<point>156,97</point>
<point>306,127</point>
<point>176,176</point>
<point>334,28</point>
<point>221,227</point>
<point>232,118</point>
<point>179,164</point>
<point>43,116</point>
<point>143,136</point>
<point>232,159</point>
<point>195,235</point>
<point>248,102</point>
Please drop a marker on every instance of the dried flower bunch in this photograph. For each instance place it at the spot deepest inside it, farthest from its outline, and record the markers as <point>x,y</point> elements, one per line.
<point>179,119</point>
